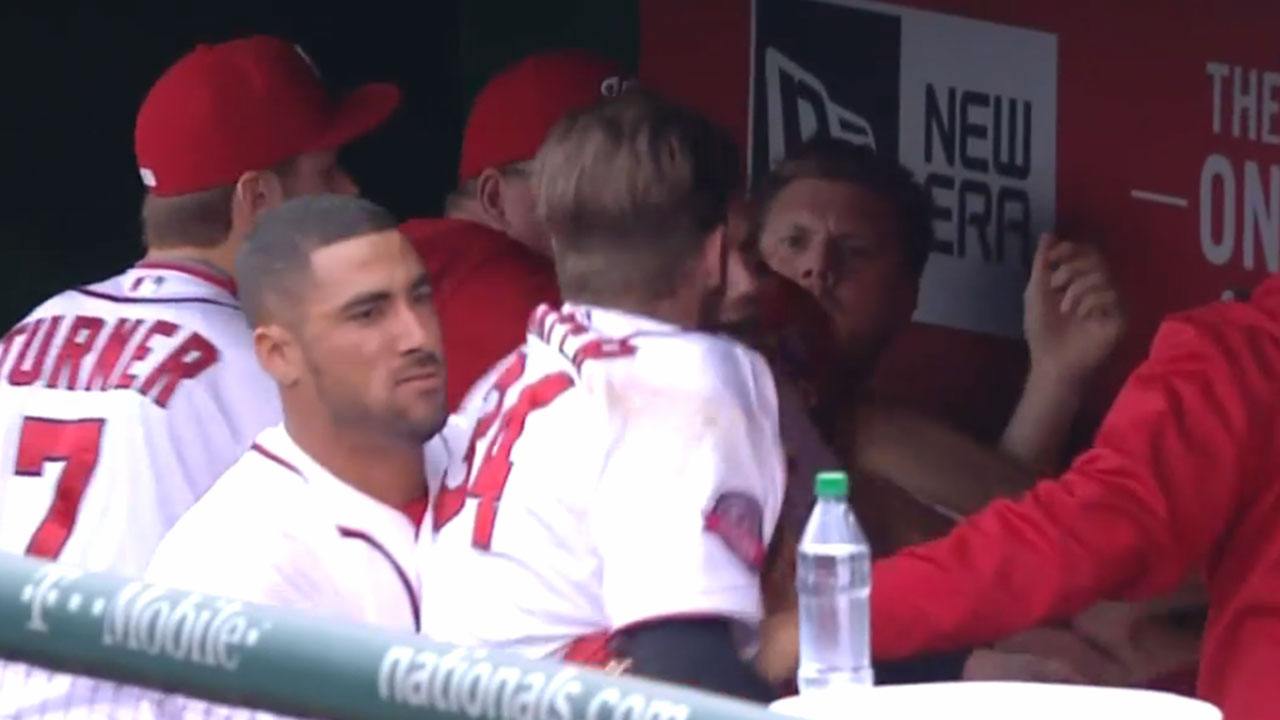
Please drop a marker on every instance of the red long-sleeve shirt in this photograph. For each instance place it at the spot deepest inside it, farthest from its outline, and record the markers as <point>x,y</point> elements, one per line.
<point>1184,475</point>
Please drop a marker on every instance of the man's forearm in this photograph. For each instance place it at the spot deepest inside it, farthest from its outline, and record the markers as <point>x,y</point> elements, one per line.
<point>1041,423</point>
<point>935,463</point>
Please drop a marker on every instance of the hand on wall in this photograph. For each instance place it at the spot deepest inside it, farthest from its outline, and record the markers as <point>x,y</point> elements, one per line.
<point>1072,317</point>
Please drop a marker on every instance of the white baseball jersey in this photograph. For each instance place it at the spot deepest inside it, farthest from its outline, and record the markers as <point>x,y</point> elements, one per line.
<point>120,404</point>
<point>620,470</point>
<point>278,528</point>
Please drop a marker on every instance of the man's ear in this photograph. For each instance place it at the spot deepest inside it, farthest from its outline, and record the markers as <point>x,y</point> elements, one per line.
<point>256,192</point>
<point>489,197</point>
<point>278,354</point>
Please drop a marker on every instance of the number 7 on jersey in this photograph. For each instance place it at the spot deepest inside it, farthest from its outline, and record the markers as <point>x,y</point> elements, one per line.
<point>76,442</point>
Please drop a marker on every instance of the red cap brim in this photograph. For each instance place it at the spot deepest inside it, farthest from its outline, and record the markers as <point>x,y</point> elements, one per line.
<point>364,109</point>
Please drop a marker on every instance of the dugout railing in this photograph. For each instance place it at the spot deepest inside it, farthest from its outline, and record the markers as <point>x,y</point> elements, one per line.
<point>275,659</point>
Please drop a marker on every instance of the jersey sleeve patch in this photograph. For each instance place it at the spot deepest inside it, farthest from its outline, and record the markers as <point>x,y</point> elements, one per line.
<point>738,519</point>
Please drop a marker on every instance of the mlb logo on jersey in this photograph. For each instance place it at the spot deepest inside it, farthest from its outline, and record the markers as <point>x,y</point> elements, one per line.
<point>146,284</point>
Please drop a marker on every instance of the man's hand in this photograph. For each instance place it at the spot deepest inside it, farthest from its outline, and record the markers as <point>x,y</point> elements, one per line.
<point>779,654</point>
<point>1096,665</point>
<point>1072,313</point>
<point>1148,637</point>
<point>994,665</point>
<point>1043,659</point>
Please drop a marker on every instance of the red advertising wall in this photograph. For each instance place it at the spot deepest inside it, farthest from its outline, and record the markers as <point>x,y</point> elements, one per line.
<point>1167,154</point>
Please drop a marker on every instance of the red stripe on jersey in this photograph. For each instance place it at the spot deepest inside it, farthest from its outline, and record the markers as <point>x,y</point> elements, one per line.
<point>591,650</point>
<point>602,349</point>
<point>276,459</point>
<point>347,532</point>
<point>122,299</point>
<point>195,270</point>
<point>538,321</point>
<point>416,510</point>
<point>546,322</point>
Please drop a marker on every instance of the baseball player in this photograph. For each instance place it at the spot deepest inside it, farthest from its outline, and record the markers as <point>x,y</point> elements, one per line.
<point>489,257</point>
<point>625,471</point>
<point>122,401</point>
<point>327,505</point>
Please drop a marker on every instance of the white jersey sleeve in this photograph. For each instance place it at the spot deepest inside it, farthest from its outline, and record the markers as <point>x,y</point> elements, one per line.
<point>278,529</point>
<point>253,560</point>
<point>692,485</point>
<point>256,561</point>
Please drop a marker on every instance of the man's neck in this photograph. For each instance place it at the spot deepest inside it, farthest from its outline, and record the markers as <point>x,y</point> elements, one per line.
<point>390,470</point>
<point>214,259</point>
<point>676,310</point>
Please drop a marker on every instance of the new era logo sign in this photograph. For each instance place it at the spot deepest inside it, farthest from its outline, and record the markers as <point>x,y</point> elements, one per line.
<point>822,70</point>
<point>934,92</point>
<point>799,108</point>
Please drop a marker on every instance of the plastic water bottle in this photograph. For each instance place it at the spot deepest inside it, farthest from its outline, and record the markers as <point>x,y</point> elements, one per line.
<point>833,582</point>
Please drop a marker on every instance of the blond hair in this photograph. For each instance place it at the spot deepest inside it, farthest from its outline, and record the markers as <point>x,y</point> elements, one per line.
<point>630,190</point>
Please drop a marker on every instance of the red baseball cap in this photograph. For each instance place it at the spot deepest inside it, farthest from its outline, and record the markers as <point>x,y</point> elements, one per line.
<point>248,104</point>
<point>515,110</point>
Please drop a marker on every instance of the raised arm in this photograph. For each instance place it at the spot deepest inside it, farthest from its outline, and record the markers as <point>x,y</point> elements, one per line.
<point>1072,320</point>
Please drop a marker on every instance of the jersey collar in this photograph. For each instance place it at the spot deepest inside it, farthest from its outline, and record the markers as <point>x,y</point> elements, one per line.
<point>612,322</point>
<point>199,270</point>
<point>348,506</point>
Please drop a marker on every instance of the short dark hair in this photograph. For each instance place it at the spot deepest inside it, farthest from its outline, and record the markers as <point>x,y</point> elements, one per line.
<point>196,220</point>
<point>629,190</point>
<point>827,158</point>
<point>278,249</point>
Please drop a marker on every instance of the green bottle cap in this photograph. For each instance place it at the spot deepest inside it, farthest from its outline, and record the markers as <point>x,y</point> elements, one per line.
<point>831,484</point>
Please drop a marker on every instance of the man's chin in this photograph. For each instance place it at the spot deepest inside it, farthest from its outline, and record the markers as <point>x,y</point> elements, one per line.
<point>422,427</point>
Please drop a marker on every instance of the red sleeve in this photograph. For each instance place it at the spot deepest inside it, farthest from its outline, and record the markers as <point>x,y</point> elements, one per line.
<point>1130,518</point>
<point>483,315</point>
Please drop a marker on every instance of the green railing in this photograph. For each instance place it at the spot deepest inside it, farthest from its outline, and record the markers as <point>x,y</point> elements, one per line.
<point>283,661</point>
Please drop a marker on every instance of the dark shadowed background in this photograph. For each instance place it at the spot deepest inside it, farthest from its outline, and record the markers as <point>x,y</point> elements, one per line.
<point>75,71</point>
